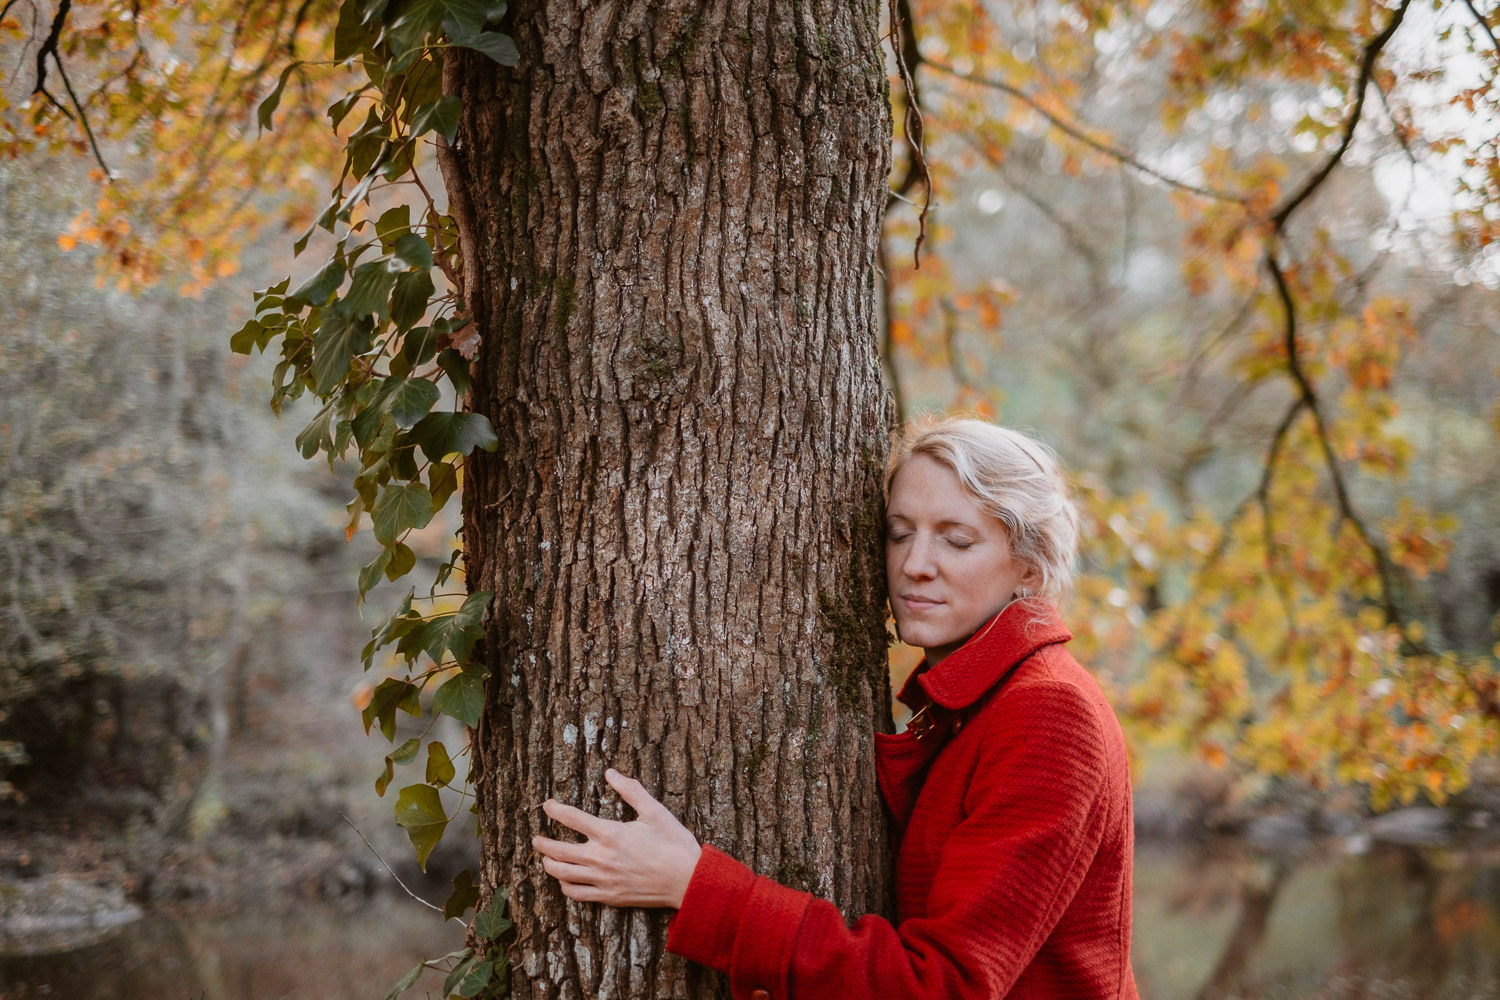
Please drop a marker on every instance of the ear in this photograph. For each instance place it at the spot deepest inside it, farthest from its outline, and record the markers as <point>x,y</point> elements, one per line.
<point>1031,580</point>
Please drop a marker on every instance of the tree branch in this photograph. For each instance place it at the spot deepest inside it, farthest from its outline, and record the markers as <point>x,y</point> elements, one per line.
<point>1361,84</point>
<point>1483,23</point>
<point>1077,132</point>
<point>908,57</point>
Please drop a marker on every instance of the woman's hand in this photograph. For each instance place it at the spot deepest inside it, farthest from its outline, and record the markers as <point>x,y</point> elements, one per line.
<point>646,862</point>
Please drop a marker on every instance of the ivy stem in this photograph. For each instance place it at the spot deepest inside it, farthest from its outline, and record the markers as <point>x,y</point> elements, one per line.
<point>387,867</point>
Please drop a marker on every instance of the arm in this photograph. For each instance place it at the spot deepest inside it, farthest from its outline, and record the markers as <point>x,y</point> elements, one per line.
<point>1006,875</point>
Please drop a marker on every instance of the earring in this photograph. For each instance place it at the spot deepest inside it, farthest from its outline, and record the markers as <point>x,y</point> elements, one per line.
<point>1022,593</point>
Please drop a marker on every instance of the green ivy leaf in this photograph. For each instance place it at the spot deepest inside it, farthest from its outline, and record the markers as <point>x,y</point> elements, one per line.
<point>493,44</point>
<point>268,107</point>
<point>440,769</point>
<point>440,116</point>
<point>456,633</point>
<point>400,507</point>
<point>370,573</point>
<point>315,290</point>
<point>403,560</point>
<point>407,752</point>
<point>413,251</point>
<point>339,338</point>
<point>389,695</point>
<point>453,364</point>
<point>317,434</point>
<point>409,399</point>
<point>392,223</point>
<point>383,780</point>
<point>413,290</point>
<point>490,922</point>
<point>253,334</point>
<point>369,293</point>
<point>475,979</point>
<point>442,478</point>
<point>462,697</point>
<point>419,809</point>
<point>457,973</point>
<point>465,895</point>
<point>442,434</point>
<point>407,981</point>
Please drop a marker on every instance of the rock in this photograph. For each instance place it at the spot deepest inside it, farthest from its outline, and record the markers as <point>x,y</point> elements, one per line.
<point>57,913</point>
<point>1416,827</point>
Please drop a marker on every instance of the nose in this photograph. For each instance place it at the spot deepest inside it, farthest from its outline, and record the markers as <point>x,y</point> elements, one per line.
<point>919,563</point>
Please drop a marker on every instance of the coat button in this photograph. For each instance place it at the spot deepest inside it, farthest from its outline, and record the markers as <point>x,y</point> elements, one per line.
<point>759,995</point>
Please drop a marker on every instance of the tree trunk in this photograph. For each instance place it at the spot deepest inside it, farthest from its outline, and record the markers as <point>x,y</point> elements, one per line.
<point>670,214</point>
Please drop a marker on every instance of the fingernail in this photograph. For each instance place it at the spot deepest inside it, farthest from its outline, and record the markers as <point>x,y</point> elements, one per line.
<point>611,773</point>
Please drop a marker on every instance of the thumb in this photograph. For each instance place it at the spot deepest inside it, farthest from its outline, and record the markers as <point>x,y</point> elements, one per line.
<point>633,792</point>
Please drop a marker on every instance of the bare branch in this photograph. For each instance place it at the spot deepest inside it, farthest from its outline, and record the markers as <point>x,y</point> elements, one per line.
<point>1484,23</point>
<point>1077,132</point>
<point>1361,84</point>
<point>387,867</point>
<point>908,56</point>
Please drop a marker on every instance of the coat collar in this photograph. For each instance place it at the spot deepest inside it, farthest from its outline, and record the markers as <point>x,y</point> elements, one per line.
<point>1020,629</point>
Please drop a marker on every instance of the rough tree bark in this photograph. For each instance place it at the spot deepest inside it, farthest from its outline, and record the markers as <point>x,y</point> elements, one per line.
<point>670,215</point>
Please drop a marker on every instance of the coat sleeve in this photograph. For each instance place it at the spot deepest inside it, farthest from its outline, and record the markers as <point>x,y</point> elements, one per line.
<point>1034,819</point>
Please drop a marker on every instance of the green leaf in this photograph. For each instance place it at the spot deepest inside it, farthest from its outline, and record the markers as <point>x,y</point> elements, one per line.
<point>252,334</point>
<point>369,293</point>
<point>403,559</point>
<point>442,478</point>
<point>315,290</point>
<point>441,116</point>
<point>440,769</point>
<point>442,434</point>
<point>339,338</point>
<point>456,633</point>
<point>462,697</point>
<point>409,399</point>
<point>370,573</point>
<point>400,507</point>
<point>419,346</point>
<point>407,981</point>
<point>269,105</point>
<point>407,752</point>
<point>465,895</point>
<point>389,695</point>
<point>453,364</point>
<point>457,973</point>
<point>493,44</point>
<point>419,809</point>
<point>413,251</point>
<point>413,290</point>
<point>490,922</point>
<point>383,780</point>
<point>317,434</point>
<point>392,223</point>
<point>475,979</point>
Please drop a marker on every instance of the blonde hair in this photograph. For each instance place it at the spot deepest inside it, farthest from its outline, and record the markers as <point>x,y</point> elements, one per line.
<point>1012,476</point>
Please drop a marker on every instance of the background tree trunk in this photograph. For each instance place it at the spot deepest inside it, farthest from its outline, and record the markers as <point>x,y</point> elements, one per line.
<point>670,215</point>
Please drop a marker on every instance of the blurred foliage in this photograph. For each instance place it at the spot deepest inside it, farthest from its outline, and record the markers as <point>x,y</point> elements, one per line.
<point>1236,261</point>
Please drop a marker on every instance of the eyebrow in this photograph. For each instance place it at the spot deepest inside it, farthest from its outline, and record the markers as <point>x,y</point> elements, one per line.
<point>941,524</point>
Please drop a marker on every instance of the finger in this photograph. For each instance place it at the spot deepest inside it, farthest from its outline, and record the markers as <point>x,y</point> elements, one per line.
<point>633,792</point>
<point>582,892</point>
<point>562,850</point>
<point>564,872</point>
<point>589,825</point>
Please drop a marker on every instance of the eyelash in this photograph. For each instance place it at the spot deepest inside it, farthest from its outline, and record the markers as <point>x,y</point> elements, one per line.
<point>955,544</point>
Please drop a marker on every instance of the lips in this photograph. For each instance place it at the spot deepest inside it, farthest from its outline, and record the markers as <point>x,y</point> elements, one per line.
<point>919,602</point>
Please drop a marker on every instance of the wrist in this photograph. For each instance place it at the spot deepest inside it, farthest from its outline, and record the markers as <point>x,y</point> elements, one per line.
<point>689,865</point>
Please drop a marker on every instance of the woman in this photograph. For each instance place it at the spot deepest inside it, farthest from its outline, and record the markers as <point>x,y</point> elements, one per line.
<point>1009,788</point>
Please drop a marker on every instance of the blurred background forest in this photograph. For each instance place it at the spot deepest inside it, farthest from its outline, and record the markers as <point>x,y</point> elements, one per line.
<point>1236,263</point>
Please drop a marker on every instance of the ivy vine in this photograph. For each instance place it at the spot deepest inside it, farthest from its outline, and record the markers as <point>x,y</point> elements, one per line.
<point>372,337</point>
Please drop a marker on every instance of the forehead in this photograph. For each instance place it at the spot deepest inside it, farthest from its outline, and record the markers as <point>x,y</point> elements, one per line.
<point>926,489</point>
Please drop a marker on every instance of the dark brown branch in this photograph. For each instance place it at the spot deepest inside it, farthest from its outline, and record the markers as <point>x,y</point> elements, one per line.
<point>1484,23</point>
<point>888,341</point>
<point>83,118</point>
<point>1077,132</point>
<point>1351,123</point>
<point>902,28</point>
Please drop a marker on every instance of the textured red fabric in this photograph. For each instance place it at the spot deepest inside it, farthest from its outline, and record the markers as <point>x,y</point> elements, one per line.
<point>1014,860</point>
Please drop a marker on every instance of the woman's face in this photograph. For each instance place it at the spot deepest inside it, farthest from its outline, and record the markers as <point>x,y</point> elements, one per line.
<point>947,562</point>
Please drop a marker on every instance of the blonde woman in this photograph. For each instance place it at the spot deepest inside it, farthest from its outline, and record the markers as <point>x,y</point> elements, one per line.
<point>1009,789</point>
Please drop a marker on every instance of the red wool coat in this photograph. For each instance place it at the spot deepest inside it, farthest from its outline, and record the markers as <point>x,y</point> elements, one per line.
<point>1013,863</point>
